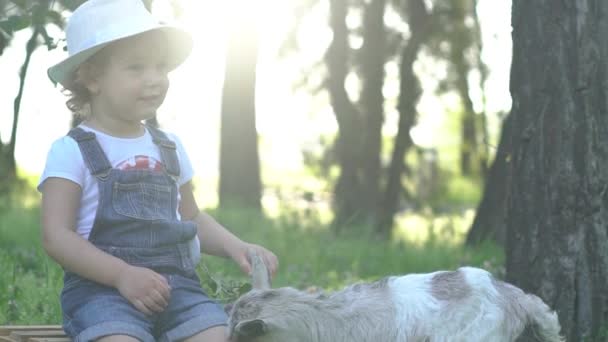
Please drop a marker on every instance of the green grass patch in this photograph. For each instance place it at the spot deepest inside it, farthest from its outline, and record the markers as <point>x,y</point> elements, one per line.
<point>311,256</point>
<point>30,280</point>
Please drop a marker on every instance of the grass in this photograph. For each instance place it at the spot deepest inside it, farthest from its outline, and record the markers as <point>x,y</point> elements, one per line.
<point>310,256</point>
<point>29,280</point>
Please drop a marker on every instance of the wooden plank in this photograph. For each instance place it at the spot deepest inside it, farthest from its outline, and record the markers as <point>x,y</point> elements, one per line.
<point>37,339</point>
<point>24,336</point>
<point>5,330</point>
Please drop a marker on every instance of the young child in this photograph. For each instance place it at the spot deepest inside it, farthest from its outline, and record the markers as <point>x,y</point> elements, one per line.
<point>118,213</point>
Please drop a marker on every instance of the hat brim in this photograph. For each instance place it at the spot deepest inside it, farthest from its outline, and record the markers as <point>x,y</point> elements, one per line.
<point>179,46</point>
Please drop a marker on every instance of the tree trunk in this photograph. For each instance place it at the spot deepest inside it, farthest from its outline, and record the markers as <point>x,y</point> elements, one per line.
<point>4,41</point>
<point>490,218</point>
<point>347,192</point>
<point>461,43</point>
<point>468,142</point>
<point>557,245</point>
<point>409,94</point>
<point>8,166</point>
<point>484,138</point>
<point>372,103</point>
<point>240,184</point>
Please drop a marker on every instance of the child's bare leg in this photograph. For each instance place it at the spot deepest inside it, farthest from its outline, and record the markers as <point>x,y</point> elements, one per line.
<point>215,334</point>
<point>118,338</point>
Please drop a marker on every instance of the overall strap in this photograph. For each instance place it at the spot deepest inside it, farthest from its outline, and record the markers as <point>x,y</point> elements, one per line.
<point>168,150</point>
<point>92,153</point>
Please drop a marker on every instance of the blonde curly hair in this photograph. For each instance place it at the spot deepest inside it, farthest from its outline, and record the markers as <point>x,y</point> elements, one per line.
<point>75,86</point>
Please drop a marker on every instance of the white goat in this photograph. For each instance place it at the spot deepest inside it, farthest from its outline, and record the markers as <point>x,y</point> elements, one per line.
<point>467,305</point>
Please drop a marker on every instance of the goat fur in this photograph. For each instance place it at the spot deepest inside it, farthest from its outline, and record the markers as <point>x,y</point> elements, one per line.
<point>466,305</point>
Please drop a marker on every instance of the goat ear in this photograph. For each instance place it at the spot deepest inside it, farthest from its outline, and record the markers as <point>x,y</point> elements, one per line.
<point>260,277</point>
<point>251,328</point>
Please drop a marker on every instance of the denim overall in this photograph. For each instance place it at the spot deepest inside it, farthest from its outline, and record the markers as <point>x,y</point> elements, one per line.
<point>136,216</point>
<point>136,221</point>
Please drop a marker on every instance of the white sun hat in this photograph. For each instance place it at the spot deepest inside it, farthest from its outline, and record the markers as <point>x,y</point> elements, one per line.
<point>97,23</point>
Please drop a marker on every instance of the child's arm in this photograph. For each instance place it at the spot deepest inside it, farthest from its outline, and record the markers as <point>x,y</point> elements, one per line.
<point>144,288</point>
<point>217,240</point>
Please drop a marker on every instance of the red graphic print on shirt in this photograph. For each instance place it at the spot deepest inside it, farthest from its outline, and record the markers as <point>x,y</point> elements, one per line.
<point>140,163</point>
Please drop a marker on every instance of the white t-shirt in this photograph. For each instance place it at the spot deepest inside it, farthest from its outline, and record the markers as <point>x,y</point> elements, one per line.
<point>65,160</point>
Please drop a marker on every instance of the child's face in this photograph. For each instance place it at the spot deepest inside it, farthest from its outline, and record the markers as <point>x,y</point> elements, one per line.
<point>133,82</point>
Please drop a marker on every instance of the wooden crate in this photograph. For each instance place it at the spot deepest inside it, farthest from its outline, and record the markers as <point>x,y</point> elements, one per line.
<point>32,333</point>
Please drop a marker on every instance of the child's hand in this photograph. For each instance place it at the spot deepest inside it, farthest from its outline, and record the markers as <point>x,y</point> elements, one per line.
<point>240,256</point>
<point>147,290</point>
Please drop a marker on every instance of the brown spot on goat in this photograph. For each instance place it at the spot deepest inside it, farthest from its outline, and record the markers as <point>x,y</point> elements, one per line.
<point>450,286</point>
